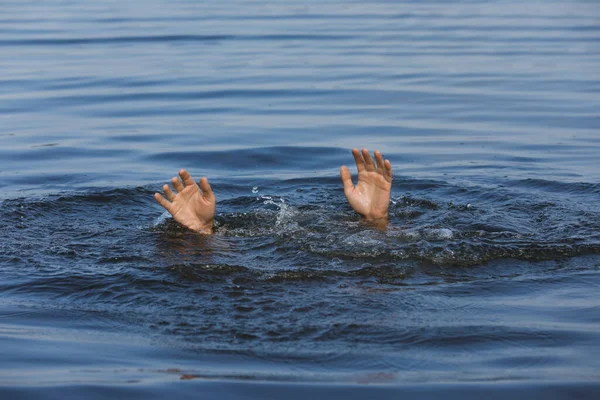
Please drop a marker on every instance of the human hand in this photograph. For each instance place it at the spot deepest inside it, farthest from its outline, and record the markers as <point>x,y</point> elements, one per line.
<point>371,196</point>
<point>191,207</point>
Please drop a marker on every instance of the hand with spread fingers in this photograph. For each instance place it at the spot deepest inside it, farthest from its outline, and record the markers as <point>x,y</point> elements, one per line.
<point>371,195</point>
<point>194,206</point>
<point>191,207</point>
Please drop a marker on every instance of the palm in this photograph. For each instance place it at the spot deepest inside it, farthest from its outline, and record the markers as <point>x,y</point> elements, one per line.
<point>190,207</point>
<point>371,195</point>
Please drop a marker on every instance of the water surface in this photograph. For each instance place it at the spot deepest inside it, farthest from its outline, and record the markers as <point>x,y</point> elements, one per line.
<point>485,282</point>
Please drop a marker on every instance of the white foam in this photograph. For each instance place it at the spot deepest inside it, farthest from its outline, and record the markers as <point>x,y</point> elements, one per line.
<point>161,219</point>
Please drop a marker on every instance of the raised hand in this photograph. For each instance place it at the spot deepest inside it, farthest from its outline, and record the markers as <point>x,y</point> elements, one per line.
<point>190,207</point>
<point>371,195</point>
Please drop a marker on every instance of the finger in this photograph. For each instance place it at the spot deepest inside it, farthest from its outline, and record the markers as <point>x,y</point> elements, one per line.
<point>358,159</point>
<point>206,189</point>
<point>186,177</point>
<point>162,201</point>
<point>169,193</point>
<point>380,163</point>
<point>369,164</point>
<point>388,171</point>
<point>346,178</point>
<point>177,184</point>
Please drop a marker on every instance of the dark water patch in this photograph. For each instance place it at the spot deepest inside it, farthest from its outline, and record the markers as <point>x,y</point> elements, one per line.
<point>90,249</point>
<point>260,158</point>
<point>575,188</point>
<point>167,39</point>
<point>53,152</point>
<point>485,224</point>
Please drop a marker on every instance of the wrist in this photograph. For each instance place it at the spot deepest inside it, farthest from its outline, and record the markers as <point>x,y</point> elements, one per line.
<point>376,217</point>
<point>379,222</point>
<point>205,227</point>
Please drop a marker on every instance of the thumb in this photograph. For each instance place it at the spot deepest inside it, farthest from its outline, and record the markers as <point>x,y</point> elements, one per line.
<point>346,178</point>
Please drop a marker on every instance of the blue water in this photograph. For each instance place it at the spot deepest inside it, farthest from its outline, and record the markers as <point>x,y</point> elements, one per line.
<point>485,283</point>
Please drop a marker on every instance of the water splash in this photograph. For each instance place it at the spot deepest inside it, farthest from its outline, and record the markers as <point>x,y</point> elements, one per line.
<point>161,219</point>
